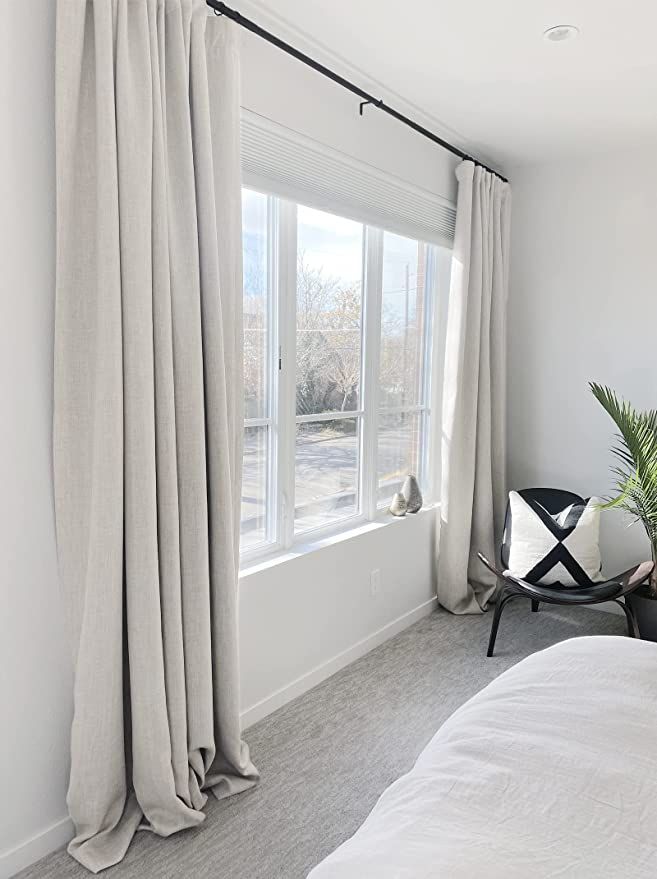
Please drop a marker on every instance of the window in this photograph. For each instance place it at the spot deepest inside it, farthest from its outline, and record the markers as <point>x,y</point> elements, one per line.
<point>403,366</point>
<point>338,327</point>
<point>256,483</point>
<point>329,322</point>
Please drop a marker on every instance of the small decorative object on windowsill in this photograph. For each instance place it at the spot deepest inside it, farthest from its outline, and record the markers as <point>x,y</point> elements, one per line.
<point>412,494</point>
<point>398,507</point>
<point>636,488</point>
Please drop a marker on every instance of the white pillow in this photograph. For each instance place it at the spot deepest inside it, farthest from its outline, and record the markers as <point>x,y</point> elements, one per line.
<point>560,548</point>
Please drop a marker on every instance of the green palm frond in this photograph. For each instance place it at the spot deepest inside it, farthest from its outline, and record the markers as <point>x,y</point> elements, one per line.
<point>636,456</point>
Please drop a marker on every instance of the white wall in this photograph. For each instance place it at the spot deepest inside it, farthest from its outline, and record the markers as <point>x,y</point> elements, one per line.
<point>35,691</point>
<point>299,621</point>
<point>281,88</point>
<point>305,618</point>
<point>583,306</point>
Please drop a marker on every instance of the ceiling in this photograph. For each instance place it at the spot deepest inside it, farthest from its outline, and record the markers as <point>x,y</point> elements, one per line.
<point>482,71</point>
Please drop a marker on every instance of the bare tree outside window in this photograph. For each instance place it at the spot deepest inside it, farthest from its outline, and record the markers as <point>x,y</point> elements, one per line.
<point>329,316</point>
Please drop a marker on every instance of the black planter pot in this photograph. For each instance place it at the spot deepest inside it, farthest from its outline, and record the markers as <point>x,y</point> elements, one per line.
<point>645,609</point>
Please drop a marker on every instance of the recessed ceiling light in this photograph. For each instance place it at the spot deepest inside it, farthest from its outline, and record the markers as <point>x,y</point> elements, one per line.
<point>561,32</point>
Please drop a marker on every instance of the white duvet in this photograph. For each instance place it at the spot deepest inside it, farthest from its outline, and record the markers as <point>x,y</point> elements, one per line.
<point>550,771</point>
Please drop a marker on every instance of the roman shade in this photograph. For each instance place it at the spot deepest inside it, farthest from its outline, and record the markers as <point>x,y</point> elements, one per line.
<point>283,162</point>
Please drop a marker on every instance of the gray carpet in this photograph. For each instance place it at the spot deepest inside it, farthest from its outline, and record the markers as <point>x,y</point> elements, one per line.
<point>326,757</point>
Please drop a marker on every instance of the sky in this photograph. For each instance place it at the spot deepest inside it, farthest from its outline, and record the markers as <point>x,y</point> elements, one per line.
<point>335,245</point>
<point>331,243</point>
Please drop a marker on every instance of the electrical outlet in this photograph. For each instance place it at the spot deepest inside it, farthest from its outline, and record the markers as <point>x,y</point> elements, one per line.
<point>375,582</point>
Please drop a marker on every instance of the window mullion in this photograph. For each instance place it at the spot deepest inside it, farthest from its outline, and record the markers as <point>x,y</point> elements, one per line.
<point>329,416</point>
<point>402,410</point>
<point>373,282</point>
<point>287,251</point>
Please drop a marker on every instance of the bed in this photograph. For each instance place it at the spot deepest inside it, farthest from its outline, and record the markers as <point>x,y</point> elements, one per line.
<point>550,771</point>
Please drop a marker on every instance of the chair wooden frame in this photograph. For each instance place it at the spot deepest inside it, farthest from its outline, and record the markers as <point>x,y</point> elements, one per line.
<point>615,590</point>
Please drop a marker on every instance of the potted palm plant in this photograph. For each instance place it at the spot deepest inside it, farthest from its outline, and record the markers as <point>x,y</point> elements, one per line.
<point>636,487</point>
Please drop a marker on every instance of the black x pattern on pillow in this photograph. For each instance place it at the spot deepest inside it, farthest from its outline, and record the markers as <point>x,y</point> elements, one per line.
<point>559,553</point>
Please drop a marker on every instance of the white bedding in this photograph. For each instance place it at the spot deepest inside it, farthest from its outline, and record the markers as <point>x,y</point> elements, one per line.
<point>550,771</point>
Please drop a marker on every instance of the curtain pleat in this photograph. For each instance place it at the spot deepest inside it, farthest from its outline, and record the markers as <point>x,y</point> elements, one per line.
<point>474,393</point>
<point>148,412</point>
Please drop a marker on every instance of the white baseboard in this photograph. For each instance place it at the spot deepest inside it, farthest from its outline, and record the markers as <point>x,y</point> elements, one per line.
<point>61,833</point>
<point>34,849</point>
<point>321,672</point>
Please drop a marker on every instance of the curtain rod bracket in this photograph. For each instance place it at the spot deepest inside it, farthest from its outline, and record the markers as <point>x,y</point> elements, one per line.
<point>378,104</point>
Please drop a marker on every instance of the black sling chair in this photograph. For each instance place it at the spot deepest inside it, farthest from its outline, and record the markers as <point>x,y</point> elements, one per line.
<point>554,500</point>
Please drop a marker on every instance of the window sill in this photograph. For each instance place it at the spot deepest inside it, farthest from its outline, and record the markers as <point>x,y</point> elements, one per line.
<point>308,543</point>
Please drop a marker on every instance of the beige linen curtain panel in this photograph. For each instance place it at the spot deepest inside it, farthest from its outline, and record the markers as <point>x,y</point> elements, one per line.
<point>148,412</point>
<point>473,494</point>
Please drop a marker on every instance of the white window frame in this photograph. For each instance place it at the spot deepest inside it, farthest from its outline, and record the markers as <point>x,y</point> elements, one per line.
<point>281,418</point>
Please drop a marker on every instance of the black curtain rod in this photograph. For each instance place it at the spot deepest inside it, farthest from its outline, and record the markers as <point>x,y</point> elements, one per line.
<point>221,9</point>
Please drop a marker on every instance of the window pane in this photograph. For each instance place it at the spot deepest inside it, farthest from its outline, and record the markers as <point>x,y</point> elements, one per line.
<point>326,472</point>
<point>402,322</point>
<point>254,487</point>
<point>254,247</point>
<point>399,444</point>
<point>329,312</point>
